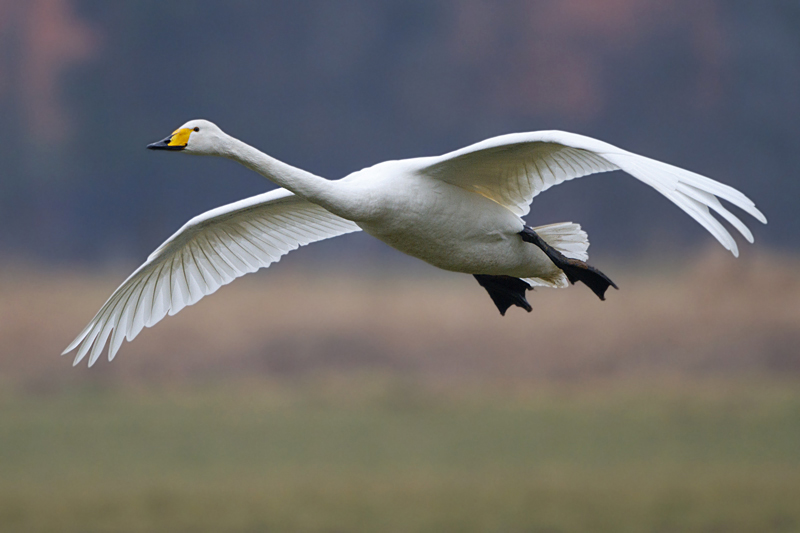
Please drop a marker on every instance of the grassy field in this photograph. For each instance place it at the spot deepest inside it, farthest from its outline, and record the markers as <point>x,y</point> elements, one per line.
<point>308,401</point>
<point>373,453</point>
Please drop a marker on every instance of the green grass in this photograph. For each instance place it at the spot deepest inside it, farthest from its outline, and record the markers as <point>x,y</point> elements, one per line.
<point>391,456</point>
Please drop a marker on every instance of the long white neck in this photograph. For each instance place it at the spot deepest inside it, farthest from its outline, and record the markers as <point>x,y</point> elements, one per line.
<point>304,184</point>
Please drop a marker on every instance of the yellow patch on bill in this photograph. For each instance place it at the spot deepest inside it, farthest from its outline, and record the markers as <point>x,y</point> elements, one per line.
<point>180,137</point>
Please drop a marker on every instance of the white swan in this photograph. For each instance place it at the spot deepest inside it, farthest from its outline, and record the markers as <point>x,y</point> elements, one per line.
<point>460,212</point>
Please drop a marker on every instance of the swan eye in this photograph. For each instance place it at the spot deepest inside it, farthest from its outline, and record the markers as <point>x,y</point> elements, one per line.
<point>196,128</point>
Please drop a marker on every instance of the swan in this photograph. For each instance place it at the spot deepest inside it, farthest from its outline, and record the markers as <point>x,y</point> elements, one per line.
<point>461,212</point>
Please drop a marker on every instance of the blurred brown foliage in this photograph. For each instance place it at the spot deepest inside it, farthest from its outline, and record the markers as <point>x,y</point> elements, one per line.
<point>719,316</point>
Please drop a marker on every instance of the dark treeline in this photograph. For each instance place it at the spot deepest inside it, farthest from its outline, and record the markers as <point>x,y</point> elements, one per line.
<point>336,86</point>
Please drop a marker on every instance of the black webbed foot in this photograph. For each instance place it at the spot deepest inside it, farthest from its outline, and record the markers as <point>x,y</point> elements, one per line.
<point>575,269</point>
<point>505,291</point>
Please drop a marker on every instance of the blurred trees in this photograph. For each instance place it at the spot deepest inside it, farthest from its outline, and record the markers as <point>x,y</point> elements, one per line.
<point>334,87</point>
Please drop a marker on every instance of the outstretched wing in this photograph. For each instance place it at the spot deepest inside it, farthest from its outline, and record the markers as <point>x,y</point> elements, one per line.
<point>512,169</point>
<point>209,251</point>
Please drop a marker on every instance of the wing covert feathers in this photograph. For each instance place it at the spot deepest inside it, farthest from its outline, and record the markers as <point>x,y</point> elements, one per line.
<point>210,251</point>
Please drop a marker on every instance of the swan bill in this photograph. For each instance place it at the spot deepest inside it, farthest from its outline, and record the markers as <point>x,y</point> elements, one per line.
<point>177,141</point>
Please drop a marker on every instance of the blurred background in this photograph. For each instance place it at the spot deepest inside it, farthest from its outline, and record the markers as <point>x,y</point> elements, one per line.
<point>349,387</point>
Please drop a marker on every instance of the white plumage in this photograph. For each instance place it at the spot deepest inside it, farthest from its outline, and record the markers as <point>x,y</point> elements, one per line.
<point>460,211</point>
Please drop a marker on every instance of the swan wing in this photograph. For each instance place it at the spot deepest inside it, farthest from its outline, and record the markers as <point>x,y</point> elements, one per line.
<point>209,251</point>
<point>512,169</point>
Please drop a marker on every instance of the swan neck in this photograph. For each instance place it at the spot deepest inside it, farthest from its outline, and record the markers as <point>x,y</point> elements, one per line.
<point>305,184</point>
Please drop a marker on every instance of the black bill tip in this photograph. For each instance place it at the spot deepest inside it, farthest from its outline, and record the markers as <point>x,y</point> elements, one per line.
<point>164,145</point>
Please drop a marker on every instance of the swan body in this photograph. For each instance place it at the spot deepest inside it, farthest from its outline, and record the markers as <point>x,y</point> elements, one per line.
<point>460,212</point>
<point>469,232</point>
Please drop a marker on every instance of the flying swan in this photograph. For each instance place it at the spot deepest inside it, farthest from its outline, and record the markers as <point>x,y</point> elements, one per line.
<point>460,211</point>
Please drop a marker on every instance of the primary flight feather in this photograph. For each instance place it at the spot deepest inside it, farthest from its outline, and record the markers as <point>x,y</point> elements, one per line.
<point>460,212</point>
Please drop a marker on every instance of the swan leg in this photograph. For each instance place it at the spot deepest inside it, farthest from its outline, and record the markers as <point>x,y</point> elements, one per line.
<point>575,269</point>
<point>505,291</point>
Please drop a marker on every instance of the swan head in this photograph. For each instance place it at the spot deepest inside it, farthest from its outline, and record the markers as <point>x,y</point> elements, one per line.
<point>199,137</point>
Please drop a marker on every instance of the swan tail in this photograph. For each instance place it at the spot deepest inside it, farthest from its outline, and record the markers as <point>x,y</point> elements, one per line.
<point>575,269</point>
<point>505,291</point>
<point>566,237</point>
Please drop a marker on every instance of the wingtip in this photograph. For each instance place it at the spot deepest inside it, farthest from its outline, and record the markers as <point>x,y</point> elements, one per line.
<point>74,344</point>
<point>754,211</point>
